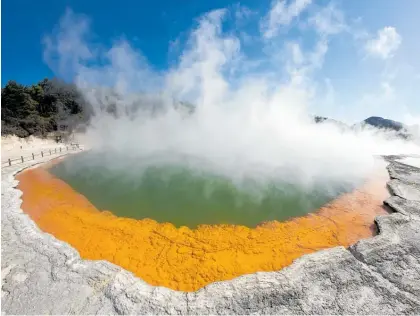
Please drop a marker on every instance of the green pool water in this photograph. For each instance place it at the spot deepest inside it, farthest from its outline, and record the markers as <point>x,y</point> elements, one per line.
<point>185,196</point>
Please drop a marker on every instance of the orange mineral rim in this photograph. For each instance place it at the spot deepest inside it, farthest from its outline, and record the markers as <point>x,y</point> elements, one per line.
<point>189,259</point>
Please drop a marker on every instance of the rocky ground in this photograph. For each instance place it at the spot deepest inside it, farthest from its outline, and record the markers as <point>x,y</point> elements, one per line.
<point>379,275</point>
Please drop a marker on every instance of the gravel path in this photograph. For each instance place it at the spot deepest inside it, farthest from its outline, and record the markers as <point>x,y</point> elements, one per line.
<point>379,275</point>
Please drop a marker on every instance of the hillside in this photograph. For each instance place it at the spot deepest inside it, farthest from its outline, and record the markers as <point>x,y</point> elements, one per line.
<point>395,128</point>
<point>380,122</point>
<point>40,108</point>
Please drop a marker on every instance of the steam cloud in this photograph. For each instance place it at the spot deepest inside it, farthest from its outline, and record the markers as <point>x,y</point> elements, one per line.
<point>250,117</point>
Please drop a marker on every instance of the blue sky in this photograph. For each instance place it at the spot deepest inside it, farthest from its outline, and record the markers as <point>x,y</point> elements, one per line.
<point>360,57</point>
<point>148,25</point>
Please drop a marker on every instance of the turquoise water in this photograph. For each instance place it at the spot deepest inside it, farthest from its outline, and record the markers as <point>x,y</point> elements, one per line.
<point>186,196</point>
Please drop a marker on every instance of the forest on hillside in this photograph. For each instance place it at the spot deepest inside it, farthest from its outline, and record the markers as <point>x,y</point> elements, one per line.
<point>41,108</point>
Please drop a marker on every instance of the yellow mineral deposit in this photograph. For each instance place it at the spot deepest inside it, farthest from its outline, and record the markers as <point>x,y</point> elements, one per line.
<point>188,259</point>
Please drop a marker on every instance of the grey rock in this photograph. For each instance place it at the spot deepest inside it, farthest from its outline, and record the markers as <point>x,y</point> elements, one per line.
<point>403,206</point>
<point>379,275</point>
<point>404,173</point>
<point>404,190</point>
<point>395,253</point>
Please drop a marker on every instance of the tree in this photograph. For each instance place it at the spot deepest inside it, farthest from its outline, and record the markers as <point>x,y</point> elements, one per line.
<point>40,108</point>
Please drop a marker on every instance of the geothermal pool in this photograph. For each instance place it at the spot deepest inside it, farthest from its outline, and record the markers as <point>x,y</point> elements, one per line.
<point>188,196</point>
<point>221,239</point>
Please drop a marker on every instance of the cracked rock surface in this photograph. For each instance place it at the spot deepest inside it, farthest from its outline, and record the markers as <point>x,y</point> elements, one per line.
<point>379,275</point>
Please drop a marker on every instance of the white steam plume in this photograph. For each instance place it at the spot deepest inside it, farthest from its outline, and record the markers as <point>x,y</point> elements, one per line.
<point>247,122</point>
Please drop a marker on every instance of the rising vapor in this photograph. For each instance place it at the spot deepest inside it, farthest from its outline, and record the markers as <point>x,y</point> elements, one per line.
<point>217,109</point>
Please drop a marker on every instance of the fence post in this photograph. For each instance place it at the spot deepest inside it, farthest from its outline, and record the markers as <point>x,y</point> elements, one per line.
<point>50,152</point>
<point>33,156</point>
<point>55,151</point>
<point>67,148</point>
<point>21,157</point>
<point>10,162</point>
<point>60,149</point>
<point>42,154</point>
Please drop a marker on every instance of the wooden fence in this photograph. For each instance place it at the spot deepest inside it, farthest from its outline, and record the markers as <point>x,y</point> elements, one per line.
<point>46,152</point>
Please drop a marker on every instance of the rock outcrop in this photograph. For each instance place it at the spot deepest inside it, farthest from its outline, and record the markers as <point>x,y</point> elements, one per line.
<point>379,275</point>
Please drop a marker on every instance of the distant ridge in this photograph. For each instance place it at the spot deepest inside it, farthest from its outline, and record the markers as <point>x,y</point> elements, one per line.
<point>381,122</point>
<point>399,129</point>
<point>323,119</point>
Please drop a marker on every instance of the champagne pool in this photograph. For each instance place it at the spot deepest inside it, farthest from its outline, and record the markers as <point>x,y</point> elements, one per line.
<point>184,228</point>
<point>187,196</point>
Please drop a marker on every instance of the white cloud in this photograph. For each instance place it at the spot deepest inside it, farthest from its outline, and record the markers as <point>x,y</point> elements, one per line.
<point>388,90</point>
<point>383,100</point>
<point>297,54</point>
<point>282,14</point>
<point>242,12</point>
<point>318,55</point>
<point>385,44</point>
<point>328,20</point>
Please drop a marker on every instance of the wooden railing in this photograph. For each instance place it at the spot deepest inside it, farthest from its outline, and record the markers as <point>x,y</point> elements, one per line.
<point>43,153</point>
